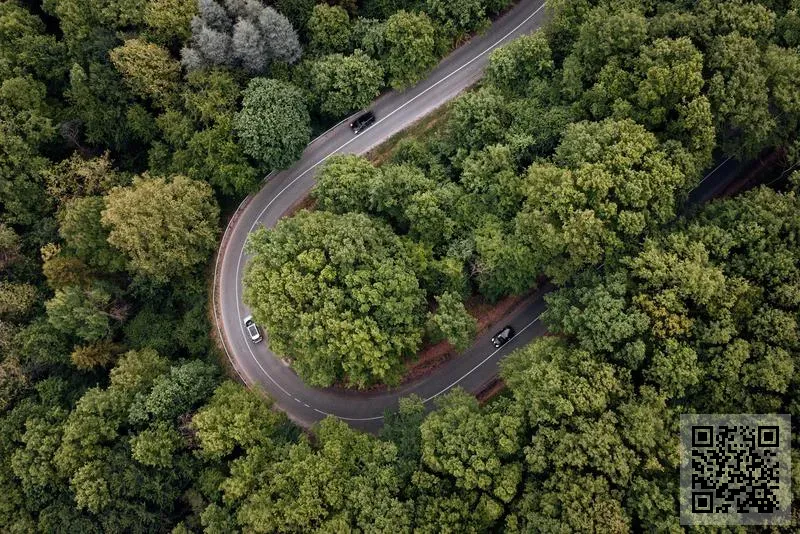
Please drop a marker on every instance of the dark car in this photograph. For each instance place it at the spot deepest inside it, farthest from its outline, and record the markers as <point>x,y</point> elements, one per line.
<point>363,121</point>
<point>502,337</point>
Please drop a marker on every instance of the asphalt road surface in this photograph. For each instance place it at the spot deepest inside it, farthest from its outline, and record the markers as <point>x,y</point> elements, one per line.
<point>255,363</point>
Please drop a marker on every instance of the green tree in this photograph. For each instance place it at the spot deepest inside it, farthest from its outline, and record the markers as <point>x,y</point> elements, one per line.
<point>623,183</point>
<point>347,482</point>
<point>342,84</point>
<point>99,354</point>
<point>478,119</point>
<point>451,321</point>
<point>338,294</point>
<point>476,449</point>
<point>738,90</point>
<point>212,155</point>
<point>344,184</point>
<point>514,66</point>
<point>79,177</point>
<point>148,69</point>
<point>458,17</point>
<point>25,127</point>
<point>273,125</point>
<point>410,48</point>
<point>9,246</point>
<point>27,48</point>
<point>165,227</point>
<point>99,99</point>
<point>175,393</point>
<point>81,228</point>
<point>156,446</point>
<point>82,312</point>
<point>17,300</point>
<point>168,21</point>
<point>234,418</point>
<point>329,30</point>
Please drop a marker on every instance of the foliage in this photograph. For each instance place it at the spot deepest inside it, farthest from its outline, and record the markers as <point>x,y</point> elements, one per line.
<point>342,84</point>
<point>451,321</point>
<point>81,312</point>
<point>410,44</point>
<point>241,34</point>
<point>273,125</point>
<point>136,217</point>
<point>329,29</point>
<point>84,235</point>
<point>168,20</point>
<point>148,70</point>
<point>338,294</point>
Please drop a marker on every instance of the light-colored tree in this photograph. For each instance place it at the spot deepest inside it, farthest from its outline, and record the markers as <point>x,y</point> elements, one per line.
<point>166,227</point>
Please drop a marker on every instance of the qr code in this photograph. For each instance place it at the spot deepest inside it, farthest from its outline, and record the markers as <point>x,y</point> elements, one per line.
<point>735,469</point>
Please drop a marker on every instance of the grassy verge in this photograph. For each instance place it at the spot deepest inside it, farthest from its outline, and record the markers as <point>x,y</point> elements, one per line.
<point>421,130</point>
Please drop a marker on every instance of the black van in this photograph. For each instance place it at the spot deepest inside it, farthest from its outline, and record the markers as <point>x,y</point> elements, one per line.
<point>362,121</point>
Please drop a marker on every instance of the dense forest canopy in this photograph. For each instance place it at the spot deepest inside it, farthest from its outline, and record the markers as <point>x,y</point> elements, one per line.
<point>126,124</point>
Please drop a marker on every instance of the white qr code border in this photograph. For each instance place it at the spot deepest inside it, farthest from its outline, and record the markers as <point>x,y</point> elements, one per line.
<point>770,450</point>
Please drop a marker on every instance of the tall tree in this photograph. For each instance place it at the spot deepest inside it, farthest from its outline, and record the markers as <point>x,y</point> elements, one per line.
<point>166,227</point>
<point>338,294</point>
<point>148,69</point>
<point>410,45</point>
<point>273,125</point>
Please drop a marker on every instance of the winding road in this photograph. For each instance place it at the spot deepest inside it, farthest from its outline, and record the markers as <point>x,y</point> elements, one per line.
<point>261,368</point>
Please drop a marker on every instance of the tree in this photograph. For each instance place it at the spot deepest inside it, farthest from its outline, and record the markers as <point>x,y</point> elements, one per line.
<point>514,66</point>
<point>279,35</point>
<point>344,184</point>
<point>622,183</point>
<point>479,118</point>
<point>338,294</point>
<point>168,21</point>
<point>156,445</point>
<point>476,449</point>
<point>342,84</point>
<point>212,155</point>
<point>410,46</point>
<point>248,47</point>
<point>503,265</point>
<point>88,28</point>
<point>242,34</point>
<point>17,300</point>
<point>100,100</point>
<point>235,417</point>
<point>347,482</point>
<point>25,128</point>
<point>82,312</point>
<point>175,393</point>
<point>148,69</point>
<point>27,48</point>
<point>458,17</point>
<point>81,228</point>
<point>99,354</point>
<point>9,246</point>
<point>165,227</point>
<point>329,30</point>
<point>739,96</point>
<point>551,380</point>
<point>451,321</point>
<point>273,126</point>
<point>79,177</point>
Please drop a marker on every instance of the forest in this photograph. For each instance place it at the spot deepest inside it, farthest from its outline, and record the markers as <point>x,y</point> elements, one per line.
<point>131,129</point>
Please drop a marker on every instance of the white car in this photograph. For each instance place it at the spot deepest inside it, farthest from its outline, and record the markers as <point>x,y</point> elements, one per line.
<point>252,329</point>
